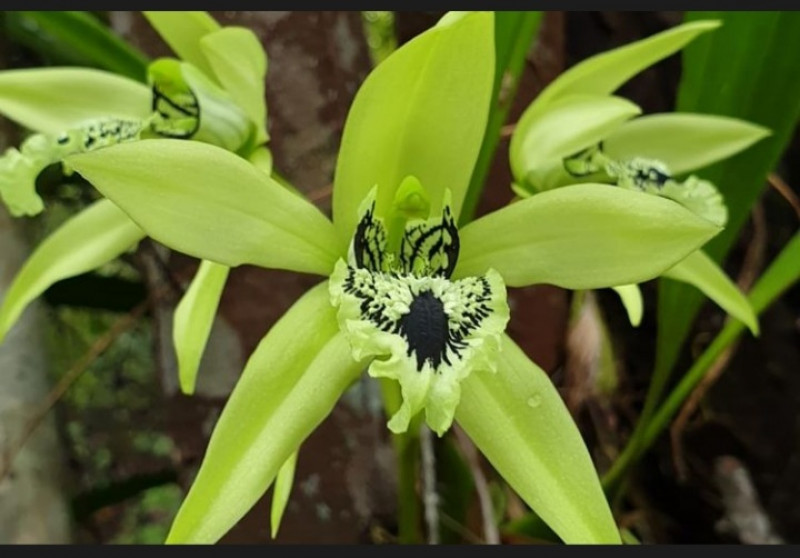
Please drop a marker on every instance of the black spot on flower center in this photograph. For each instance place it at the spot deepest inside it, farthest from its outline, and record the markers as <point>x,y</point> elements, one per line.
<point>426,329</point>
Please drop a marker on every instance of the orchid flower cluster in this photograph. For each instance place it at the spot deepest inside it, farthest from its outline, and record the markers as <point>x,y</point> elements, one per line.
<point>213,94</point>
<point>576,131</point>
<point>405,293</point>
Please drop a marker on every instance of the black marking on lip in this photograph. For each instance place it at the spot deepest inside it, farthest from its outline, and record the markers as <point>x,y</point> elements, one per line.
<point>161,103</point>
<point>426,326</point>
<point>650,175</point>
<point>436,246</point>
<point>426,330</point>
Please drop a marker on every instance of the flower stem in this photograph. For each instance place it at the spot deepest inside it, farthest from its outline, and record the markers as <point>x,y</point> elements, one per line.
<point>407,452</point>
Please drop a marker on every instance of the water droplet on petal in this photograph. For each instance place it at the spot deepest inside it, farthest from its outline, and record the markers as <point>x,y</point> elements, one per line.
<point>534,401</point>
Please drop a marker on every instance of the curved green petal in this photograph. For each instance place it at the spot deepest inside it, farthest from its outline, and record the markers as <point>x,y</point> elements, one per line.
<point>542,140</point>
<point>52,100</point>
<point>182,31</point>
<point>683,141</point>
<point>421,112</point>
<point>193,319</point>
<point>261,157</point>
<point>704,273</point>
<point>289,385</point>
<point>280,494</point>
<point>605,72</point>
<point>207,202</point>
<point>518,420</point>
<point>631,297</point>
<point>584,236</point>
<point>240,64</point>
<point>86,241</point>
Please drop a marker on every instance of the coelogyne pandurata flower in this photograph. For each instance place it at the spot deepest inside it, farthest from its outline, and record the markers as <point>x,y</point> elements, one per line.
<point>576,131</point>
<point>407,294</point>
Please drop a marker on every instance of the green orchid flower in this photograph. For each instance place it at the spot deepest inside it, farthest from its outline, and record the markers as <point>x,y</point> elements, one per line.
<point>407,294</point>
<point>214,94</point>
<point>575,131</point>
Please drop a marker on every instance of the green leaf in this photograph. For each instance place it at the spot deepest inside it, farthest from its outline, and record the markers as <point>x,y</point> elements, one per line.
<point>193,319</point>
<point>422,112</point>
<point>280,494</point>
<point>542,140</point>
<point>782,273</point>
<point>518,420</point>
<point>605,72</point>
<point>702,272</point>
<point>289,385</point>
<point>88,40</point>
<point>631,297</point>
<point>683,141</point>
<point>513,34</point>
<point>747,69</point>
<point>207,202</point>
<point>86,241</point>
<point>240,64</point>
<point>584,236</point>
<point>52,100</point>
<point>182,31</point>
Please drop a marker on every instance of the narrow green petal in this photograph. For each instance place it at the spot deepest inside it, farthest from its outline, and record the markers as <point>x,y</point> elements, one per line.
<point>683,141</point>
<point>193,319</point>
<point>421,112</point>
<point>704,273</point>
<point>542,140</point>
<point>518,420</point>
<point>289,385</point>
<point>240,64</point>
<point>207,202</point>
<point>605,72</point>
<point>51,100</point>
<point>182,31</point>
<point>86,241</point>
<point>584,236</point>
<point>631,297</point>
<point>280,494</point>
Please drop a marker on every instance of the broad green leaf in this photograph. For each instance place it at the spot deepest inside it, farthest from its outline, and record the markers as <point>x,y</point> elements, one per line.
<point>182,31</point>
<point>684,142</point>
<point>584,236</point>
<point>193,319</point>
<point>52,100</point>
<point>605,72</point>
<point>541,141</point>
<point>207,202</point>
<point>86,241</point>
<point>422,112</point>
<point>289,385</point>
<point>514,31</point>
<point>747,69</point>
<point>702,272</point>
<point>280,494</point>
<point>240,64</point>
<point>86,39</point>
<point>518,420</point>
<point>631,297</point>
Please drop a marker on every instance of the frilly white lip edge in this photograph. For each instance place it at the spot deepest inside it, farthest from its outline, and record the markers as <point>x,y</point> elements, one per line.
<point>422,329</point>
